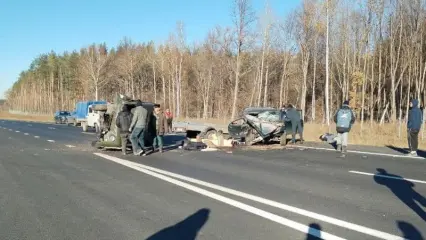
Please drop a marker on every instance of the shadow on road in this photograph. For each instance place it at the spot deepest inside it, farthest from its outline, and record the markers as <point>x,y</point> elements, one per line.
<point>314,232</point>
<point>403,189</point>
<point>187,229</point>
<point>409,231</point>
<point>420,153</point>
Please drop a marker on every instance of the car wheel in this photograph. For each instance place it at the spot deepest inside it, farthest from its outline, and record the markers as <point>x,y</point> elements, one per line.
<point>283,139</point>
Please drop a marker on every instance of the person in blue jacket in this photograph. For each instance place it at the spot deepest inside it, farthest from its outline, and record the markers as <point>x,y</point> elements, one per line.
<point>414,123</point>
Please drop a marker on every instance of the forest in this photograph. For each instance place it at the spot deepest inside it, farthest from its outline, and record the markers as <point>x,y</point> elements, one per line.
<point>372,52</point>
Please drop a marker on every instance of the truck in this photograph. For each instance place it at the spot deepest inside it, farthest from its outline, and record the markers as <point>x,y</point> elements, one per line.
<point>87,114</point>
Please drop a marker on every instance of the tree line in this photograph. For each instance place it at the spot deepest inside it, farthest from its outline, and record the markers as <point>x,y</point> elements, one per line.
<point>324,52</point>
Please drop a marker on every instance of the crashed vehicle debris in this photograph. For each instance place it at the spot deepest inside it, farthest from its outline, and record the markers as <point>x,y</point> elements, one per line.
<point>109,136</point>
<point>260,125</point>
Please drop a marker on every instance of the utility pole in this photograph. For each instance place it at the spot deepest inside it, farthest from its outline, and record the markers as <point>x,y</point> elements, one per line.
<point>327,75</point>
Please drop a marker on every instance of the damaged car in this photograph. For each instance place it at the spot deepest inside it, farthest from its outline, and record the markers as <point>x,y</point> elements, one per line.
<point>109,136</point>
<point>260,125</point>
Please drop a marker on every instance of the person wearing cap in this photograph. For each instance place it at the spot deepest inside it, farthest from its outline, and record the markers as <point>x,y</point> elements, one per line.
<point>344,119</point>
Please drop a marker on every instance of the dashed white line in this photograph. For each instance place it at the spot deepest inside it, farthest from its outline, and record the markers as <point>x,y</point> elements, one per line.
<point>278,219</point>
<point>390,177</point>
<point>36,137</point>
<point>51,140</point>
<point>331,220</point>
<point>26,134</point>
<point>70,146</point>
<point>17,131</point>
<point>10,129</point>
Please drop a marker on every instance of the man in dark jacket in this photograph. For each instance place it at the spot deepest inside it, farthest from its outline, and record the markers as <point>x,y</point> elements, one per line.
<point>161,127</point>
<point>124,119</point>
<point>292,115</point>
<point>414,123</point>
<point>344,119</point>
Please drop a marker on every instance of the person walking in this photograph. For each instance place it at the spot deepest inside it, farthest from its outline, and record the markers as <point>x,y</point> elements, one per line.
<point>344,119</point>
<point>161,126</point>
<point>414,123</point>
<point>295,118</point>
<point>137,128</point>
<point>169,121</point>
<point>124,119</point>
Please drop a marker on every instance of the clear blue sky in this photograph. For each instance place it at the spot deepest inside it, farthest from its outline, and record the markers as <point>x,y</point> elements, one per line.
<point>32,27</point>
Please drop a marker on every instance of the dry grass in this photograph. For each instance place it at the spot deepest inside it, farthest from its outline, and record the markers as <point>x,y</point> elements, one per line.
<point>25,117</point>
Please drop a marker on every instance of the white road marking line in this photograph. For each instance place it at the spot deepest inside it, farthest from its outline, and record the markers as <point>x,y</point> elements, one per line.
<point>361,152</point>
<point>52,128</point>
<point>331,220</point>
<point>26,134</point>
<point>391,177</point>
<point>70,146</point>
<point>17,131</point>
<point>10,129</point>
<point>36,137</point>
<point>278,219</point>
<point>51,140</point>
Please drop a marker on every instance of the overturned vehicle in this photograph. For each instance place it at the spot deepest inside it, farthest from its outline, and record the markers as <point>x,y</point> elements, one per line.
<point>109,136</point>
<point>260,125</point>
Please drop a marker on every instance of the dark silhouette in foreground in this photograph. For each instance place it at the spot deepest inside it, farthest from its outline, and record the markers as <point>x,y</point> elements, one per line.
<point>187,229</point>
<point>420,153</point>
<point>404,190</point>
<point>409,231</point>
<point>314,232</point>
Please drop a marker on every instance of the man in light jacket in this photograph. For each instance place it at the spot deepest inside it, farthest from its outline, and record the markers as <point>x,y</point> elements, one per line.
<point>137,128</point>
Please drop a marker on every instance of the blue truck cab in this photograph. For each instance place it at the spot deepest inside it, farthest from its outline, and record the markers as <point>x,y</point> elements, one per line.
<point>85,115</point>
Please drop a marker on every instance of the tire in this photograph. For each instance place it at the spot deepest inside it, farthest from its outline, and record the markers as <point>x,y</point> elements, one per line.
<point>97,130</point>
<point>209,134</point>
<point>84,126</point>
<point>283,139</point>
<point>100,107</point>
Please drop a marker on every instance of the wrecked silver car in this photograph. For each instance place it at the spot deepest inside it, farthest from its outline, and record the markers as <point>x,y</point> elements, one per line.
<point>260,125</point>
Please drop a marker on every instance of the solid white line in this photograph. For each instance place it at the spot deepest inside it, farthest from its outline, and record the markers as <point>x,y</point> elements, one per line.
<point>361,152</point>
<point>70,146</point>
<point>391,177</point>
<point>51,140</point>
<point>331,220</point>
<point>278,219</point>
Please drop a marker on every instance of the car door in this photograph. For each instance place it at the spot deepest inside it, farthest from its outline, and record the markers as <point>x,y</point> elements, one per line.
<point>237,128</point>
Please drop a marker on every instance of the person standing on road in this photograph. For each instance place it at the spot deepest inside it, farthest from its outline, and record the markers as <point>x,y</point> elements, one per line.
<point>124,119</point>
<point>295,118</point>
<point>344,119</point>
<point>160,126</point>
<point>414,123</point>
<point>169,121</point>
<point>137,128</point>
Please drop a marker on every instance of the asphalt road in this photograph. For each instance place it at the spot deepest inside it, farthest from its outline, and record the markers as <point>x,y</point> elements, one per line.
<point>53,185</point>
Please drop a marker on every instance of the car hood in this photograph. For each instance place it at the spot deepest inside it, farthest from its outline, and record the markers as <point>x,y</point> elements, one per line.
<point>265,123</point>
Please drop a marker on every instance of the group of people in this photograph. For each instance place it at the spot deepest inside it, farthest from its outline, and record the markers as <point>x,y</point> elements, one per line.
<point>345,118</point>
<point>133,126</point>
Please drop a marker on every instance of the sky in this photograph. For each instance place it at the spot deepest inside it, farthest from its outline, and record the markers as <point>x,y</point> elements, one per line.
<point>33,27</point>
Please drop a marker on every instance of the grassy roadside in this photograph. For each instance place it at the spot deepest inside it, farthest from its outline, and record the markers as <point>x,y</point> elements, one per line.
<point>370,135</point>
<point>26,117</point>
